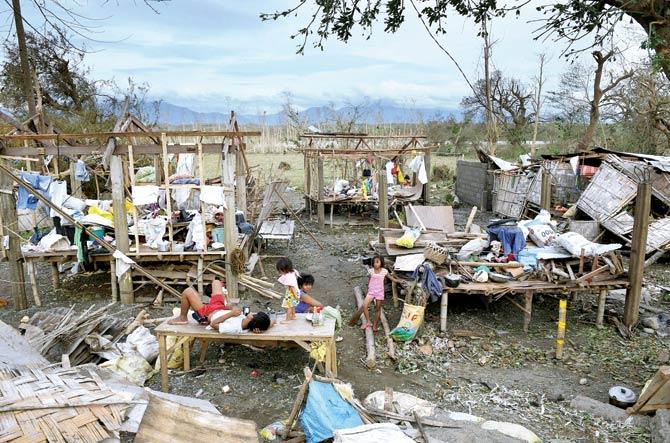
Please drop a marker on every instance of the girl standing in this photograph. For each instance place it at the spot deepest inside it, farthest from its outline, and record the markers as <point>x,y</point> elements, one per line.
<point>376,276</point>
<point>289,278</point>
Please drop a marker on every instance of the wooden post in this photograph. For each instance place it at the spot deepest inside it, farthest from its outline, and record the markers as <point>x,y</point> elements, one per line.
<point>602,298</point>
<point>75,185</point>
<point>545,190</point>
<point>32,275</point>
<point>637,254</point>
<point>121,224</point>
<point>10,223</point>
<point>308,183</point>
<point>321,210</point>
<point>55,275</point>
<point>426,187</point>
<point>113,283</point>
<point>240,182</point>
<point>382,193</point>
<point>560,334</point>
<point>230,240</point>
<point>528,312</point>
<point>444,306</point>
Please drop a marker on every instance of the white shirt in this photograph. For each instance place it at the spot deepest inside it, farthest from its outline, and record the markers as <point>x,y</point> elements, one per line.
<point>232,325</point>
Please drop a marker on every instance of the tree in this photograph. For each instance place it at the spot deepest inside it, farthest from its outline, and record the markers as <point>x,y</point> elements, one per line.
<point>599,92</point>
<point>509,104</point>
<point>537,102</point>
<point>568,20</point>
<point>56,20</point>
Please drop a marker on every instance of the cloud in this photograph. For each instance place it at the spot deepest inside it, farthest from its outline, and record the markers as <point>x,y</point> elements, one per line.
<point>206,54</point>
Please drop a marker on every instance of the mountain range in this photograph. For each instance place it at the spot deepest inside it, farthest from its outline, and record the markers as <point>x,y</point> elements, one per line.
<point>374,113</point>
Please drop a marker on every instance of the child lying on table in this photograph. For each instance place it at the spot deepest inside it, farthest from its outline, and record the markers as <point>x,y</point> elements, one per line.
<point>218,314</point>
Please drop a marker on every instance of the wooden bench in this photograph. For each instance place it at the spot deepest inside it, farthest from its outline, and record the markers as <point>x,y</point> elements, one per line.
<point>298,331</point>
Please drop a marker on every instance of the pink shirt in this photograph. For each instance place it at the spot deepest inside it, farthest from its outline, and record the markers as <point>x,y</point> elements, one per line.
<point>376,283</point>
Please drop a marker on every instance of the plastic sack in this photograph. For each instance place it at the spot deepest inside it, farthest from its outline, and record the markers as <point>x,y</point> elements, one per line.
<point>473,247</point>
<point>406,404</point>
<point>132,366</point>
<point>575,243</point>
<point>145,174</point>
<point>408,238</point>
<point>176,360</point>
<point>543,217</point>
<point>542,235</point>
<point>54,242</point>
<point>373,433</point>
<point>141,341</point>
<point>410,322</point>
<point>271,431</point>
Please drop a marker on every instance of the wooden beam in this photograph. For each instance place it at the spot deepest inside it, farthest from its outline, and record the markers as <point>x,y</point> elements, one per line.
<point>369,335</point>
<point>426,187</point>
<point>127,135</point>
<point>382,191</point>
<point>637,253</point>
<point>10,224</point>
<point>545,190</point>
<point>145,149</point>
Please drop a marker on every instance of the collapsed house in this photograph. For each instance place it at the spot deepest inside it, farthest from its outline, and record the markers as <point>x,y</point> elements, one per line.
<point>179,204</point>
<point>369,163</point>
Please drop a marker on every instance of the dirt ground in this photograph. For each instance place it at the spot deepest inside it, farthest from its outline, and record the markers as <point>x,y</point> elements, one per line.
<point>498,373</point>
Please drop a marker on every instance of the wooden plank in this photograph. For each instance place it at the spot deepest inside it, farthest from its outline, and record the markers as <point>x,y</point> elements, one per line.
<point>299,329</point>
<point>439,218</point>
<point>168,421</point>
<point>120,224</point>
<point>127,135</point>
<point>656,394</point>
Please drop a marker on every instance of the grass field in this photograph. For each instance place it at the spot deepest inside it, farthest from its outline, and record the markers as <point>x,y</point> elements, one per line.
<point>295,175</point>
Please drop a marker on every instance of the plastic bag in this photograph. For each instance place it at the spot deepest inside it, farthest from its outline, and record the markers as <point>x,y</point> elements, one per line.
<point>141,341</point>
<point>574,243</point>
<point>406,404</point>
<point>410,322</point>
<point>473,247</point>
<point>176,360</point>
<point>271,431</point>
<point>331,312</point>
<point>542,235</point>
<point>543,217</point>
<point>408,238</point>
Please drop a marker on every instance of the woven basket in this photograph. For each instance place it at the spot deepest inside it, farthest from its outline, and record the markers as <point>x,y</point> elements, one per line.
<point>435,253</point>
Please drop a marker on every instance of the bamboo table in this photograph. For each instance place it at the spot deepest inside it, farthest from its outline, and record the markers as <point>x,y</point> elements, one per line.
<point>298,331</point>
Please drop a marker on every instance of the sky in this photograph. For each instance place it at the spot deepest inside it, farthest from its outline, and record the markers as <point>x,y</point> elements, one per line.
<point>213,55</point>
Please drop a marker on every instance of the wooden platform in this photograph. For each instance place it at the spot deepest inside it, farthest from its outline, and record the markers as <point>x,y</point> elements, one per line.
<point>526,289</point>
<point>299,331</point>
<point>277,230</point>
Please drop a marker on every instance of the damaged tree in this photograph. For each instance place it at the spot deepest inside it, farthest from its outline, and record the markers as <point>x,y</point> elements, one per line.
<point>599,92</point>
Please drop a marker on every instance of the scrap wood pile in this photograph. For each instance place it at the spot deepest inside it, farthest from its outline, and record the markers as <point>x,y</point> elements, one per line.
<point>327,408</point>
<point>511,255</point>
<point>595,190</point>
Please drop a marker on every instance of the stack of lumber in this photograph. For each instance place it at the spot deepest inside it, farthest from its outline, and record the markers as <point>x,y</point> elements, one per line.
<point>58,405</point>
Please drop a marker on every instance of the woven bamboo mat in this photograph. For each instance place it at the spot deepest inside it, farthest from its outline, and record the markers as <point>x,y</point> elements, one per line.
<point>58,405</point>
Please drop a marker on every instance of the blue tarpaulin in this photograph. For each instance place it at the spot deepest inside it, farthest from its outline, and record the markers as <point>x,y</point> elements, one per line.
<point>325,412</point>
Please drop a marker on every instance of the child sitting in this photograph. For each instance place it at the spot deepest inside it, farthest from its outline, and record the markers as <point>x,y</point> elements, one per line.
<point>307,302</point>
